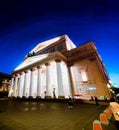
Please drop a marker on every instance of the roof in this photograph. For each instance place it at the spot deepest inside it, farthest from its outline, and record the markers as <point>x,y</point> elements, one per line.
<point>39,59</point>
<point>44,44</point>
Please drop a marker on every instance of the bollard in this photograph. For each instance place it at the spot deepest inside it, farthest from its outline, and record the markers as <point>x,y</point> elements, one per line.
<point>107,113</point>
<point>97,125</point>
<point>110,110</point>
<point>103,119</point>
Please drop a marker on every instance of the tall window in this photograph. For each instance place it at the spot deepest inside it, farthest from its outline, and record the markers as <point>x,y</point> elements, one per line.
<point>83,72</point>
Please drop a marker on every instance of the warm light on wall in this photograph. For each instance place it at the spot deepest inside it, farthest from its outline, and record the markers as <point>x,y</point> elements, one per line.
<point>84,75</point>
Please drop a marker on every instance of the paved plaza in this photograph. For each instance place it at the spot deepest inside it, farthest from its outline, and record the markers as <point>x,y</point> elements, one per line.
<point>42,115</point>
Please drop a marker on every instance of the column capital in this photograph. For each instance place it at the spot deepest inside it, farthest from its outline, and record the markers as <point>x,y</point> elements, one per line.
<point>57,60</point>
<point>69,64</point>
<point>39,67</point>
<point>47,64</point>
<point>21,73</point>
<point>16,75</point>
<point>13,76</point>
<point>33,69</point>
<point>26,71</point>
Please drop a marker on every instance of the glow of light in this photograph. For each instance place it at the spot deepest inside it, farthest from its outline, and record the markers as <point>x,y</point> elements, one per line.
<point>110,81</point>
<point>108,86</point>
<point>115,85</point>
<point>91,88</point>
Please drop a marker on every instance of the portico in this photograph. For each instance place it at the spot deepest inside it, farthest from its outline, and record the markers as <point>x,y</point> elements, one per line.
<point>42,80</point>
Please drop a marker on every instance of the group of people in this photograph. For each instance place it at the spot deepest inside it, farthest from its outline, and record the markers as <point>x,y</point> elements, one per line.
<point>96,100</point>
<point>93,98</point>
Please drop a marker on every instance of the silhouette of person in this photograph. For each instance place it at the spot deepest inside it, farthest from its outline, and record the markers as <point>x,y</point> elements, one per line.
<point>96,101</point>
<point>105,98</point>
<point>70,103</point>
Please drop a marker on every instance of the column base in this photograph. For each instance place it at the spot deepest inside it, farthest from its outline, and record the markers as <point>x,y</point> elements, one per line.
<point>47,97</point>
<point>38,97</point>
<point>23,97</point>
<point>61,97</point>
<point>18,97</point>
<point>30,97</point>
<point>54,97</point>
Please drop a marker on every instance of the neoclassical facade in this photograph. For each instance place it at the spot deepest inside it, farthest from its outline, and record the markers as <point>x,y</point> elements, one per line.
<point>58,69</point>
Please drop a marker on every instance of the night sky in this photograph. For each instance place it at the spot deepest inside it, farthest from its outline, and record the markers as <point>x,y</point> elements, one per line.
<point>25,23</point>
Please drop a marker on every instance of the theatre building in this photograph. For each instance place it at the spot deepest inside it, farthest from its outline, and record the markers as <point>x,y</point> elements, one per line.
<point>58,69</point>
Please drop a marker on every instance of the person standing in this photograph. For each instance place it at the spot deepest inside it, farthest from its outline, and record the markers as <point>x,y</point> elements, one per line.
<point>96,101</point>
<point>70,103</point>
<point>105,98</point>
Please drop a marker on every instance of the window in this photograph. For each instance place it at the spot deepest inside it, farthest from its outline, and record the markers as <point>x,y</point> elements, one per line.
<point>59,47</point>
<point>84,76</point>
<point>52,50</point>
<point>83,72</point>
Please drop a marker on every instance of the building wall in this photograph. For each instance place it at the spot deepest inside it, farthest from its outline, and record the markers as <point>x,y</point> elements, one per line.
<point>94,85</point>
<point>4,84</point>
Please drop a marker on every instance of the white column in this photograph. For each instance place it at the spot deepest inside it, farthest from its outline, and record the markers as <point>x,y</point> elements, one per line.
<point>19,85</point>
<point>66,81</point>
<point>70,80</point>
<point>43,81</point>
<point>39,82</point>
<point>11,87</point>
<point>59,79</point>
<point>15,86</point>
<point>12,81</point>
<point>47,79</point>
<point>25,83</point>
<point>32,83</point>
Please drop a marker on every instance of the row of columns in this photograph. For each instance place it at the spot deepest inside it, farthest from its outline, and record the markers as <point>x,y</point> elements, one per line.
<point>24,83</point>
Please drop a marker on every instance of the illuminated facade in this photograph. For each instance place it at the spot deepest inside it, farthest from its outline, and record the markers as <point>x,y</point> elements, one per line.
<point>58,69</point>
<point>5,81</point>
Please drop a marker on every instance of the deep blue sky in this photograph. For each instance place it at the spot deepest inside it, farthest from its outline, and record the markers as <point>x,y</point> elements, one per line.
<point>25,23</point>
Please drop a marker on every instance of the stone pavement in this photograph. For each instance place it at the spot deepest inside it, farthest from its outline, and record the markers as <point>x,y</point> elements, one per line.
<point>42,115</point>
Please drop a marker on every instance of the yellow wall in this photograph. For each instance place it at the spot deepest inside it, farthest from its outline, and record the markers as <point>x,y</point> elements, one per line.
<point>95,79</point>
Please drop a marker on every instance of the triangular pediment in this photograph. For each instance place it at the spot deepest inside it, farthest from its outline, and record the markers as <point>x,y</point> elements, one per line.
<point>31,60</point>
<point>39,59</point>
<point>44,44</point>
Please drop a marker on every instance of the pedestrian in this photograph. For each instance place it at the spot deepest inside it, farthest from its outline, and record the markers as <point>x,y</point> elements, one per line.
<point>96,101</point>
<point>105,98</point>
<point>91,98</point>
<point>70,103</point>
